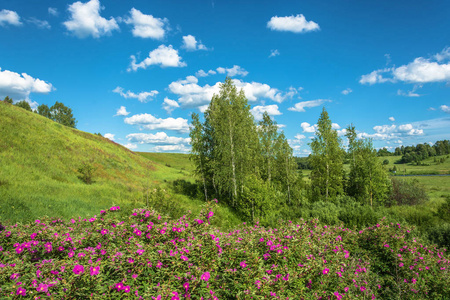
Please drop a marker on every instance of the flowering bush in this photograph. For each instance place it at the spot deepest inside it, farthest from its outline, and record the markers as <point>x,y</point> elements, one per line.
<point>147,256</point>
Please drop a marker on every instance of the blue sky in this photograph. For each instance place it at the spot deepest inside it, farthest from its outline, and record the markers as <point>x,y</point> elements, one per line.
<point>135,70</point>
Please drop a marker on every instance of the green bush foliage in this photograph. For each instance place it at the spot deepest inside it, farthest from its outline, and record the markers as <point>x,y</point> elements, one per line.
<point>407,192</point>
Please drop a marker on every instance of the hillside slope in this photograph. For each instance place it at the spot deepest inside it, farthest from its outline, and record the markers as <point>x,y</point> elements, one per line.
<point>39,162</point>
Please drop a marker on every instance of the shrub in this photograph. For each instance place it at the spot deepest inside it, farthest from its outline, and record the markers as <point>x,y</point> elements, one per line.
<point>87,172</point>
<point>407,192</point>
<point>440,235</point>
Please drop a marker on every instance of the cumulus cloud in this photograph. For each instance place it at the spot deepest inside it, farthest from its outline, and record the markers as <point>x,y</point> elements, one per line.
<point>158,138</point>
<point>149,122</point>
<point>9,17</point>
<point>122,111</point>
<point>231,72</point>
<point>201,73</point>
<point>411,93</point>
<point>391,119</point>
<point>147,26</point>
<point>346,91</point>
<point>420,70</point>
<point>172,148</point>
<point>445,108</point>
<point>393,132</point>
<point>191,44</point>
<point>53,11</point>
<point>258,111</point>
<point>109,136</point>
<point>165,56</point>
<point>20,86</point>
<point>130,146</point>
<point>142,96</point>
<point>296,24</point>
<point>308,127</point>
<point>300,106</point>
<point>170,105</point>
<point>274,53</point>
<point>193,95</point>
<point>85,20</point>
<point>39,23</point>
<point>299,136</point>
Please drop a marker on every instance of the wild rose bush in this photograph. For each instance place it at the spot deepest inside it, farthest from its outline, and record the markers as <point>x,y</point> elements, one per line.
<point>148,256</point>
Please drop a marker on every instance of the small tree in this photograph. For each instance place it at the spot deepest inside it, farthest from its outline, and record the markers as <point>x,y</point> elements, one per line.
<point>44,111</point>
<point>63,115</point>
<point>87,172</point>
<point>24,104</point>
<point>385,162</point>
<point>8,100</point>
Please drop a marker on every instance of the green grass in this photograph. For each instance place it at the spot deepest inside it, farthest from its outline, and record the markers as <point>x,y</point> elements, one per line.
<point>411,169</point>
<point>39,162</point>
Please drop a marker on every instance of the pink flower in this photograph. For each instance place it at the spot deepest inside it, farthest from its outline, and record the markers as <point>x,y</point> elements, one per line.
<point>325,271</point>
<point>21,291</point>
<point>19,250</point>
<point>126,289</point>
<point>95,270</point>
<point>205,276</point>
<point>186,285</point>
<point>243,264</point>
<point>42,288</point>
<point>119,286</point>
<point>78,269</point>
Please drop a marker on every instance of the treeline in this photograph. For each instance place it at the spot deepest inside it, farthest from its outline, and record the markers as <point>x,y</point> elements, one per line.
<point>251,166</point>
<point>58,112</point>
<point>422,151</point>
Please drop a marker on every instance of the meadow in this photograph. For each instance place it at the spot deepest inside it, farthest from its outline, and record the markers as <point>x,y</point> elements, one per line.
<point>141,230</point>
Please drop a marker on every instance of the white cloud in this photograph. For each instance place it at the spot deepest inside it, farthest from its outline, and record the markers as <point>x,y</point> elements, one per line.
<point>9,17</point>
<point>296,24</point>
<point>201,73</point>
<point>158,138</point>
<point>142,96</point>
<point>130,146</point>
<point>421,70</point>
<point>149,122</point>
<point>193,95</point>
<point>308,127</point>
<point>172,148</point>
<point>391,119</point>
<point>375,77</point>
<point>258,111</point>
<point>299,136</point>
<point>109,136</point>
<point>231,72</point>
<point>53,11</point>
<point>274,53</point>
<point>300,106</point>
<point>39,23</point>
<point>165,56</point>
<point>122,111</point>
<point>431,108</point>
<point>445,108</point>
<point>85,20</point>
<point>335,126</point>
<point>393,132</point>
<point>191,44</point>
<point>146,26</point>
<point>20,86</point>
<point>169,105</point>
<point>411,93</point>
<point>346,91</point>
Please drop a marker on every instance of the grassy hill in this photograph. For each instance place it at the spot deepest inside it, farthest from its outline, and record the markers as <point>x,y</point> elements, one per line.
<point>39,174</point>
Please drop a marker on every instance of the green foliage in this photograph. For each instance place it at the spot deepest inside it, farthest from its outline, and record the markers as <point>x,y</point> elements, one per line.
<point>62,115</point>
<point>368,181</point>
<point>440,235</point>
<point>407,192</point>
<point>8,100</point>
<point>385,162</point>
<point>326,160</point>
<point>86,173</point>
<point>24,104</point>
<point>44,111</point>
